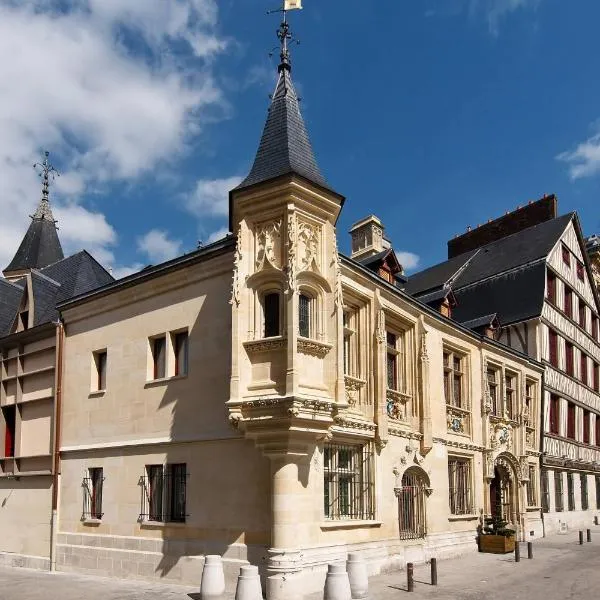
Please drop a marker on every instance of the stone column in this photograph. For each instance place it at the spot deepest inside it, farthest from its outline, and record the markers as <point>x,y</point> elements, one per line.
<point>284,570</point>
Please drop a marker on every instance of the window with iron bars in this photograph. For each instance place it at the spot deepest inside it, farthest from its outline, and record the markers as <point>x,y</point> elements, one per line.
<point>584,491</point>
<point>163,493</point>
<point>348,482</point>
<point>531,495</point>
<point>571,491</point>
<point>459,479</point>
<point>545,491</point>
<point>411,507</point>
<point>558,491</point>
<point>92,494</point>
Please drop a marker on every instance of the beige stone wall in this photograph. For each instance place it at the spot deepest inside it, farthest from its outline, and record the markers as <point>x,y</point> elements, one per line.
<point>25,521</point>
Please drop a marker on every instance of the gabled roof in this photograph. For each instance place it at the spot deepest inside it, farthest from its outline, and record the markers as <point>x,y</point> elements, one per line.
<point>40,246</point>
<point>284,147</point>
<point>504,277</point>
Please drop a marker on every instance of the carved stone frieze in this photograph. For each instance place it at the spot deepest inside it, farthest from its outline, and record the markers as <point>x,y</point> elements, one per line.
<point>313,347</point>
<point>396,405</point>
<point>404,433</point>
<point>268,244</point>
<point>266,345</point>
<point>459,445</point>
<point>309,236</point>
<point>353,386</point>
<point>344,420</point>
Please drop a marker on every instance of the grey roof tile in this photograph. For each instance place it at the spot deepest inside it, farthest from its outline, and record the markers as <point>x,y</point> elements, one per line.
<point>284,147</point>
<point>11,294</point>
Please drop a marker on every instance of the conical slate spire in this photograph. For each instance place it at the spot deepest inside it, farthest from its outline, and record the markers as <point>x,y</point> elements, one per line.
<point>284,147</point>
<point>40,246</point>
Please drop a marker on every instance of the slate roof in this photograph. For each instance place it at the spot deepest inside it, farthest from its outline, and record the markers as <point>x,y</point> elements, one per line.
<point>10,300</point>
<point>284,147</point>
<point>506,277</point>
<point>40,246</point>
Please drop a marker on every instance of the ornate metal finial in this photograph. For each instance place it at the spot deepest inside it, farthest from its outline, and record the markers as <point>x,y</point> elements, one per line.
<point>284,34</point>
<point>46,172</point>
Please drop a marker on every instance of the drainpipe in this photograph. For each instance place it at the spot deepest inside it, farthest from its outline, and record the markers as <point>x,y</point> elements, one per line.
<point>60,333</point>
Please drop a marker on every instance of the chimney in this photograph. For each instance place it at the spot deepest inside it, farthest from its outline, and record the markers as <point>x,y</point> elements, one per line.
<point>368,237</point>
<point>523,217</point>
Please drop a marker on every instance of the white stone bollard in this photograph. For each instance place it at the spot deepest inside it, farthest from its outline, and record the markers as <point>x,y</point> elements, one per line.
<point>213,578</point>
<point>337,584</point>
<point>357,574</point>
<point>248,584</point>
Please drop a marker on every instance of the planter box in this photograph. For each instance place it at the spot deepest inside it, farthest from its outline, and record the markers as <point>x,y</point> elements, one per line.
<point>496,544</point>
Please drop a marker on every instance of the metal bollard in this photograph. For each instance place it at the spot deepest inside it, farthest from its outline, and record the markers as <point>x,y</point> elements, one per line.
<point>589,535</point>
<point>529,550</point>
<point>517,552</point>
<point>434,571</point>
<point>581,538</point>
<point>410,579</point>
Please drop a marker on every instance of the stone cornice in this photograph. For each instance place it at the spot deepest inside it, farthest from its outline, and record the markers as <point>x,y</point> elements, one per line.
<point>460,445</point>
<point>313,347</point>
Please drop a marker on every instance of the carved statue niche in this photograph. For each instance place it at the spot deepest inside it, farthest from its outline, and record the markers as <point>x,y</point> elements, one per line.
<point>268,245</point>
<point>308,246</point>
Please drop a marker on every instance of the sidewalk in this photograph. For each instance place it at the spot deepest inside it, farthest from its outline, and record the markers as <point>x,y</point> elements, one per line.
<point>561,570</point>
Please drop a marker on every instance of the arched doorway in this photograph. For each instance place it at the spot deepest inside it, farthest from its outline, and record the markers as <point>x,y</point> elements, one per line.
<point>411,505</point>
<point>504,491</point>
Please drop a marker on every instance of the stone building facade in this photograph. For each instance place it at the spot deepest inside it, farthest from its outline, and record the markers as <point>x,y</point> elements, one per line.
<point>339,414</point>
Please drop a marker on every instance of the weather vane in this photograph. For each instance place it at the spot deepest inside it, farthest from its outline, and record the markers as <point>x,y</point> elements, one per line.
<point>46,172</point>
<point>284,34</point>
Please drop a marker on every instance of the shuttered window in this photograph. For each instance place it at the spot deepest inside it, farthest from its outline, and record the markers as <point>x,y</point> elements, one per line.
<point>553,347</point>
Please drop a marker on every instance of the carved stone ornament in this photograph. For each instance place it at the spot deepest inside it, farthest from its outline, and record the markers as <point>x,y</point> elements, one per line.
<point>396,405</point>
<point>268,245</point>
<point>524,464</point>
<point>529,438</point>
<point>455,421</point>
<point>423,353</point>
<point>347,422</point>
<point>308,245</point>
<point>486,401</point>
<point>237,260</point>
<point>510,468</point>
<point>291,253</point>
<point>500,435</point>
<point>380,327</point>
<point>337,266</point>
<point>353,386</point>
<point>489,465</point>
<point>313,348</point>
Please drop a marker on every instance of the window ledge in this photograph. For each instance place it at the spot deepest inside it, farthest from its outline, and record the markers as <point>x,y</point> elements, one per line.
<point>350,524</point>
<point>160,524</point>
<point>91,522</point>
<point>163,381</point>
<point>463,517</point>
<point>97,394</point>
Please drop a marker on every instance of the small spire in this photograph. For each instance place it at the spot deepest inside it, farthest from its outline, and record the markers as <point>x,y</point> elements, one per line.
<point>47,172</point>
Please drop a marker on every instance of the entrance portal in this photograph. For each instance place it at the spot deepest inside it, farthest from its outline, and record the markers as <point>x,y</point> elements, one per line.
<point>501,495</point>
<point>411,506</point>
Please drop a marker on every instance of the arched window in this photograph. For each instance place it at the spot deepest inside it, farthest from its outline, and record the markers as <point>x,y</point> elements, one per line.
<point>271,314</point>
<point>304,316</point>
<point>411,506</point>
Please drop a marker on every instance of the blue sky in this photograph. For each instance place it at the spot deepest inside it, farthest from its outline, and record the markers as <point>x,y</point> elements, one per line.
<point>432,114</point>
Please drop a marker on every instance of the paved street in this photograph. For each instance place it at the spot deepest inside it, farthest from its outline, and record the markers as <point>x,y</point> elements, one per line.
<point>561,570</point>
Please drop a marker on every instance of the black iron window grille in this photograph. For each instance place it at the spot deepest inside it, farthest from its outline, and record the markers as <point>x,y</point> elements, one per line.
<point>163,493</point>
<point>348,482</point>
<point>558,491</point>
<point>584,491</point>
<point>571,491</point>
<point>92,494</point>
<point>459,478</point>
<point>411,507</point>
<point>545,492</point>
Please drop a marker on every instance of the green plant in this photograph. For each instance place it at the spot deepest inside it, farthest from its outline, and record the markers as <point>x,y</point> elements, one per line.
<point>496,525</point>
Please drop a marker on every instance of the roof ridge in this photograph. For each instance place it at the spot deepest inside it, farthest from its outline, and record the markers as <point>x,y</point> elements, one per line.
<point>44,276</point>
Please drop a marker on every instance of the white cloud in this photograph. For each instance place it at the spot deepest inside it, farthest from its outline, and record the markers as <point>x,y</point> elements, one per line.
<point>584,161</point>
<point>158,247</point>
<point>408,260</point>
<point>217,235</point>
<point>120,272</point>
<point>70,83</point>
<point>211,197</point>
